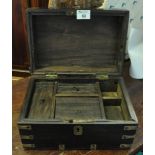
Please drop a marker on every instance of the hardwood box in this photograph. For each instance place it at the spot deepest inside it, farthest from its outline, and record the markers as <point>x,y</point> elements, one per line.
<point>76,98</point>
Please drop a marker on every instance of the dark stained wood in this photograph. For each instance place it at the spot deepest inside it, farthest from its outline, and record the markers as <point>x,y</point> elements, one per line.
<point>20,74</point>
<point>105,49</point>
<point>34,3</point>
<point>86,112</point>
<point>50,46</point>
<point>135,91</point>
<point>38,3</point>
<point>20,54</point>
<point>20,58</point>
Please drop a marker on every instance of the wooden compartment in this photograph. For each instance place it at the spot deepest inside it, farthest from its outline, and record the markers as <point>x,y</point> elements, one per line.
<point>96,112</point>
<point>41,100</point>
<point>76,88</point>
<point>76,98</point>
<point>77,108</point>
<point>77,101</point>
<point>114,102</point>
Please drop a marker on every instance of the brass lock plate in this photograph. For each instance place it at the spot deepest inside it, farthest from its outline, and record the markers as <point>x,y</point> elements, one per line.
<point>77,130</point>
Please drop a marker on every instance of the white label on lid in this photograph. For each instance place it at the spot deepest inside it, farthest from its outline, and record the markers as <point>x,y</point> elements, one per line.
<point>83,14</point>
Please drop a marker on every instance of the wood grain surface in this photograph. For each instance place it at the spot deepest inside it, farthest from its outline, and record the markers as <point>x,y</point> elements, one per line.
<point>42,101</point>
<point>105,49</point>
<point>135,88</point>
<point>77,101</point>
<point>68,108</point>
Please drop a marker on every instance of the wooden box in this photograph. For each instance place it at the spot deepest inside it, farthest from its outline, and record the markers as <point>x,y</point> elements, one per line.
<point>76,98</point>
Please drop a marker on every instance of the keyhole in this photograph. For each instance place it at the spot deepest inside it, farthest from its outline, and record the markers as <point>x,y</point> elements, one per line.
<point>77,129</point>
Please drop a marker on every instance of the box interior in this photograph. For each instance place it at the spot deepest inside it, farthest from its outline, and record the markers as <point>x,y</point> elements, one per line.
<point>77,101</point>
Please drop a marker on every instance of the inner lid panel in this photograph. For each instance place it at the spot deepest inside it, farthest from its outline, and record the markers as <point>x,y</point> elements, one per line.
<point>62,43</point>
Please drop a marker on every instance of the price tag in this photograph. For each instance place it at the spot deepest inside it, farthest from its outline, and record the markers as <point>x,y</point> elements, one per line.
<point>83,14</point>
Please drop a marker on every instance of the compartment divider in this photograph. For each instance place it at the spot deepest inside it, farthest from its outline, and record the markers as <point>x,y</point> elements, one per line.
<point>111,95</point>
<point>52,113</point>
<point>101,100</point>
<point>76,95</point>
<point>112,106</point>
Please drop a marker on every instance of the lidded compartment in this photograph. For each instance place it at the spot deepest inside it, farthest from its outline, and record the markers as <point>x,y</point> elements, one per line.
<point>76,98</point>
<point>70,59</point>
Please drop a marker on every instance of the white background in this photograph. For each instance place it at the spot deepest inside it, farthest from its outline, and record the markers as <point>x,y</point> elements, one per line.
<point>134,6</point>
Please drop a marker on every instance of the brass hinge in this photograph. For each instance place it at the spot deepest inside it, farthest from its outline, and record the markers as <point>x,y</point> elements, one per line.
<point>29,137</point>
<point>93,147</point>
<point>61,147</point>
<point>102,77</point>
<point>25,127</point>
<point>125,146</point>
<point>51,76</point>
<point>29,146</point>
<point>128,136</point>
<point>128,128</point>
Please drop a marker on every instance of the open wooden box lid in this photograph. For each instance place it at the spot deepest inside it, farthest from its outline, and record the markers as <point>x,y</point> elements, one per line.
<point>58,42</point>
